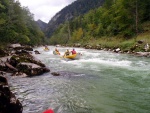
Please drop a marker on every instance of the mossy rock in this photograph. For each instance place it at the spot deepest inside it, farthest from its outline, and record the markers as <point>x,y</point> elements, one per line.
<point>16,59</point>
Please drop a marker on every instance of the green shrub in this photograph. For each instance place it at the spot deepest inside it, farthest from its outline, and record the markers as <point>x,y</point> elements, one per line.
<point>127,44</point>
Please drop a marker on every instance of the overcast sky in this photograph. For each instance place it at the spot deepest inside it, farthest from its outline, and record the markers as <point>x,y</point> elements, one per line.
<point>45,9</point>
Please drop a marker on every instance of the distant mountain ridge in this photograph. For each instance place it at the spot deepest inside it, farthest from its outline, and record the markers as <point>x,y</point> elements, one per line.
<point>42,25</point>
<point>75,9</point>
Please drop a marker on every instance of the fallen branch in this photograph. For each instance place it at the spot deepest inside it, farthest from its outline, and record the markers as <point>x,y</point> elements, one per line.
<point>10,66</point>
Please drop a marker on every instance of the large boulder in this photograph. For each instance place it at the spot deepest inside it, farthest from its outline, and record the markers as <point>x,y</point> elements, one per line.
<point>20,52</point>
<point>21,62</point>
<point>36,52</point>
<point>27,48</point>
<point>27,64</point>
<point>142,54</point>
<point>8,101</point>
<point>31,69</point>
<point>16,59</point>
<point>14,45</point>
<point>117,50</point>
<point>19,47</point>
<point>55,73</point>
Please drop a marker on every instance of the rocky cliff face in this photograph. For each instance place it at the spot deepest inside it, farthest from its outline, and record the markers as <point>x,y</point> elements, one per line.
<point>42,25</point>
<point>75,9</point>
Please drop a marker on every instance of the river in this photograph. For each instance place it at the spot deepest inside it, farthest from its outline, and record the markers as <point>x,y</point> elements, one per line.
<point>99,82</point>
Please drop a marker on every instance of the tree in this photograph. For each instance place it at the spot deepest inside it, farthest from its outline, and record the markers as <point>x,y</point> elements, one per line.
<point>17,24</point>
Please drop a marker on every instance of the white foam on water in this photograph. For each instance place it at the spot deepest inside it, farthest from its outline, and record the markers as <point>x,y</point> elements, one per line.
<point>111,62</point>
<point>93,59</point>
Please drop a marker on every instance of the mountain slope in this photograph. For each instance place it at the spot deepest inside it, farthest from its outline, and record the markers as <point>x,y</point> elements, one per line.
<point>42,25</point>
<point>75,9</point>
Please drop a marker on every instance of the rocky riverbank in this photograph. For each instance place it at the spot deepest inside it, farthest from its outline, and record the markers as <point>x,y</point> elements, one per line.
<point>19,60</point>
<point>140,48</point>
<point>8,101</point>
<point>16,60</point>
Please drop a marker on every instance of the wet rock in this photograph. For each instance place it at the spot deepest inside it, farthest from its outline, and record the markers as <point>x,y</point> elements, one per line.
<point>19,74</point>
<point>31,69</point>
<point>55,73</point>
<point>45,69</point>
<point>117,50</point>
<point>19,47</point>
<point>16,59</point>
<point>21,56</point>
<point>58,45</point>
<point>36,52</point>
<point>14,45</point>
<point>27,48</point>
<point>8,101</point>
<point>142,54</point>
<point>22,52</point>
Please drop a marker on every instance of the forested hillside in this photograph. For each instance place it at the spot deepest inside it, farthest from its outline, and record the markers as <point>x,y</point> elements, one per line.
<point>125,19</point>
<point>71,11</point>
<point>17,24</point>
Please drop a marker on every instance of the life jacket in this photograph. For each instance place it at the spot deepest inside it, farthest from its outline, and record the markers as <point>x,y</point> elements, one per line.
<point>67,53</point>
<point>73,52</point>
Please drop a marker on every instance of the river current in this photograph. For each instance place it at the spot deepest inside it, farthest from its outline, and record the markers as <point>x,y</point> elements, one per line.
<point>99,82</point>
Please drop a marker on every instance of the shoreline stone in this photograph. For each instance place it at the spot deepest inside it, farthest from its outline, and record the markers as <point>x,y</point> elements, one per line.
<point>141,45</point>
<point>8,101</point>
<point>18,61</point>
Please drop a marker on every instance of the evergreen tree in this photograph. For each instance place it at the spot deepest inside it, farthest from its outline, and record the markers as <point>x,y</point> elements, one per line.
<point>17,24</point>
<point>122,18</point>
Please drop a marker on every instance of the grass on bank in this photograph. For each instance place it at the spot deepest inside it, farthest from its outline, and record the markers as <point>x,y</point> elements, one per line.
<point>122,43</point>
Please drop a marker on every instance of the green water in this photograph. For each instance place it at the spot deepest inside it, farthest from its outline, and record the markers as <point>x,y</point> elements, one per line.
<point>100,82</point>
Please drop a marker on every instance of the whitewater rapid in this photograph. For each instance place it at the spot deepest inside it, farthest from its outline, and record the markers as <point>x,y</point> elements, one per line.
<point>99,82</point>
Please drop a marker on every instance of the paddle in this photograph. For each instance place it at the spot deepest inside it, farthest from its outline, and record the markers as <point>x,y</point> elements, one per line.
<point>49,111</point>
